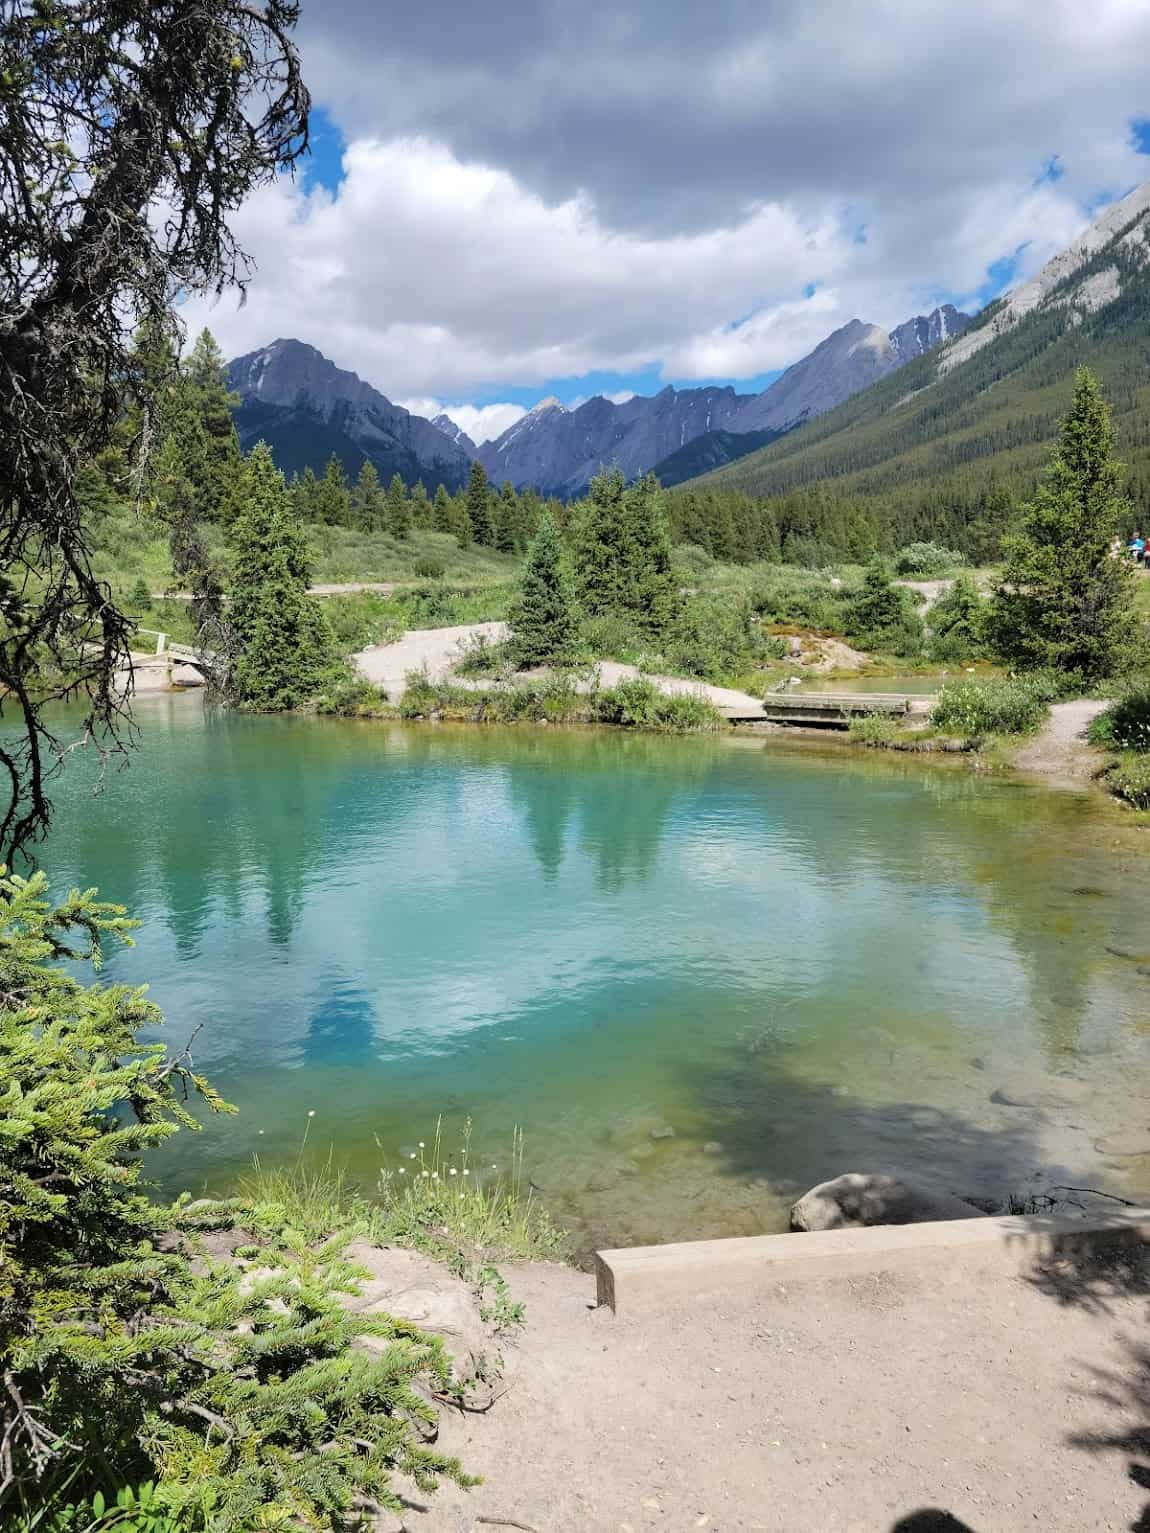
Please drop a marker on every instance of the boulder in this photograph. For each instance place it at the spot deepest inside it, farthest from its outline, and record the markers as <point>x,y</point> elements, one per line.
<point>408,1286</point>
<point>859,1199</point>
<point>186,676</point>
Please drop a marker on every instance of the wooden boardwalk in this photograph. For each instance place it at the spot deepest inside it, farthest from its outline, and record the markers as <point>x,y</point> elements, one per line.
<point>834,710</point>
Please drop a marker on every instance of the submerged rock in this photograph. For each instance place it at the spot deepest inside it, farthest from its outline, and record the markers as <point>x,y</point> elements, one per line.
<point>859,1199</point>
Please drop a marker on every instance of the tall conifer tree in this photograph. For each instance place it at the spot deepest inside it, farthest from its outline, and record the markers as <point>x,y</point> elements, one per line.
<point>367,498</point>
<point>1064,600</point>
<point>479,506</point>
<point>397,512</point>
<point>285,648</point>
<point>543,618</point>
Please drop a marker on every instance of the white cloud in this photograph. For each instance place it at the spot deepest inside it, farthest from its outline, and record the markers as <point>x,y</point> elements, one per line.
<point>483,423</point>
<point>603,217</point>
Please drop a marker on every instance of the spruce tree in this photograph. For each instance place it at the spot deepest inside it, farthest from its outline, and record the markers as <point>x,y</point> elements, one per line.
<point>421,512</point>
<point>543,619</point>
<point>1064,601</point>
<point>285,648</point>
<point>603,556</point>
<point>243,1398</point>
<point>333,504</point>
<point>508,534</point>
<point>306,496</point>
<point>397,512</point>
<point>442,518</point>
<point>479,506</point>
<point>624,553</point>
<point>882,616</point>
<point>367,498</point>
<point>653,596</point>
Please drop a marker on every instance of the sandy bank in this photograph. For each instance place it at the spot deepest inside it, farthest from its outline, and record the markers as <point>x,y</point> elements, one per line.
<point>837,1405</point>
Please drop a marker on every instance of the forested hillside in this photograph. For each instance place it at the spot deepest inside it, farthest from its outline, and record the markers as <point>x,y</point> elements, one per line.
<point>948,453</point>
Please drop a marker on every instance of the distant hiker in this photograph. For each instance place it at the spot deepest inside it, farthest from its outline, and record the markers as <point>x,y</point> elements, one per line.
<point>1137,547</point>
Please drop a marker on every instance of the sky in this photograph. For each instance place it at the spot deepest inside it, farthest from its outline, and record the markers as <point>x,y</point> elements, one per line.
<point>509,201</point>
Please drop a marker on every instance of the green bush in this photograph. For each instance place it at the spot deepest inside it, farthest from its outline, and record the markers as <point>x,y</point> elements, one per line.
<point>428,569</point>
<point>354,697</point>
<point>245,1401</point>
<point>1126,723</point>
<point>807,601</point>
<point>711,638</point>
<point>957,623</point>
<point>926,560</point>
<point>1129,779</point>
<point>882,616</point>
<point>483,657</point>
<point>978,708</point>
<point>637,704</point>
<point>872,729</point>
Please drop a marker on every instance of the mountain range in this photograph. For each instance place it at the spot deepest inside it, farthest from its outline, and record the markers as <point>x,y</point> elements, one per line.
<point>558,451</point>
<point>974,417</point>
<point>306,408</point>
<point>943,410</point>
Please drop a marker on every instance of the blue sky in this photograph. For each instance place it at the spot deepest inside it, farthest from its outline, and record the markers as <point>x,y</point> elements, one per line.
<point>499,206</point>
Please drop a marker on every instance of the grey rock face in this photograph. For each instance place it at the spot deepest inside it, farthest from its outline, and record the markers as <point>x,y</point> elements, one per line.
<point>860,1199</point>
<point>455,434</point>
<point>307,408</point>
<point>559,451</point>
<point>1124,228</point>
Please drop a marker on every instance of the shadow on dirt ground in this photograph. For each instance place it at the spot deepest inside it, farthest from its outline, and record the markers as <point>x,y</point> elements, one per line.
<point>1093,1281</point>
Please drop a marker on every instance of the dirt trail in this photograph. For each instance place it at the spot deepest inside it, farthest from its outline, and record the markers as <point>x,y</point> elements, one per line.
<point>930,590</point>
<point>836,1405</point>
<point>439,649</point>
<point>1059,753</point>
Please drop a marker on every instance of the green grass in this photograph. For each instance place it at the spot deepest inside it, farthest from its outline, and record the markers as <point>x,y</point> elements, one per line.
<point>1128,778</point>
<point>443,1201</point>
<point>435,1192</point>
<point>130,545</point>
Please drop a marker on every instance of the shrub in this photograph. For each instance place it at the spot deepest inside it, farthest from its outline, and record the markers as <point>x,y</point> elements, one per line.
<point>1129,779</point>
<point>710,638</point>
<point>246,1403</point>
<point>636,703</point>
<point>428,569</point>
<point>872,729</point>
<point>805,600</point>
<point>924,560</point>
<point>482,657</point>
<point>978,708</point>
<point>957,622</point>
<point>882,616</point>
<point>1126,723</point>
<point>354,697</point>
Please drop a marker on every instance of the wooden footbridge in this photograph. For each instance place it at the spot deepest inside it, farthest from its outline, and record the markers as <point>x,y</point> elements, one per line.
<point>830,710</point>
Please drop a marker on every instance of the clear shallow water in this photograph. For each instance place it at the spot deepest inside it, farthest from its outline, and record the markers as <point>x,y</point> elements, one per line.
<point>801,960</point>
<point>914,685</point>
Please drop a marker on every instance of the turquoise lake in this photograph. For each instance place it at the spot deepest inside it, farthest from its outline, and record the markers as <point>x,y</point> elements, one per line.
<point>800,959</point>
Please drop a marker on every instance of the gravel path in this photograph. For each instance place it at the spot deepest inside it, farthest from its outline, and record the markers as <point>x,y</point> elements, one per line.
<point>435,650</point>
<point>931,590</point>
<point>439,649</point>
<point>1059,753</point>
<point>832,1406</point>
